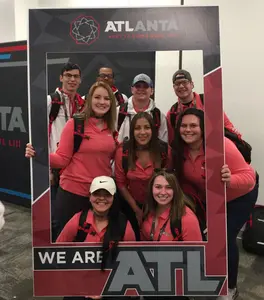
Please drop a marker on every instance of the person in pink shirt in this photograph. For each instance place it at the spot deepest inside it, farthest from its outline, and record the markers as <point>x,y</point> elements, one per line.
<point>183,87</point>
<point>239,178</point>
<point>168,215</point>
<point>103,223</point>
<point>135,160</point>
<point>93,157</point>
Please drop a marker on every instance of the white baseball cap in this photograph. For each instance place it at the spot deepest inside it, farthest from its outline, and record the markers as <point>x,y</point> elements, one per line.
<point>103,182</point>
<point>142,78</point>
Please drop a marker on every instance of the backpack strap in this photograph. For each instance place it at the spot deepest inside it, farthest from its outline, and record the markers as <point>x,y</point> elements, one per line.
<point>119,98</point>
<point>56,103</point>
<point>125,155</point>
<point>83,227</point>
<point>202,98</point>
<point>173,114</point>
<point>156,117</point>
<point>164,153</point>
<point>121,115</point>
<point>78,134</point>
<point>176,230</point>
<point>174,111</point>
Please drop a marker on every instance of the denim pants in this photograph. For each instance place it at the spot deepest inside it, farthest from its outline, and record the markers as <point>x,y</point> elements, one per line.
<point>238,212</point>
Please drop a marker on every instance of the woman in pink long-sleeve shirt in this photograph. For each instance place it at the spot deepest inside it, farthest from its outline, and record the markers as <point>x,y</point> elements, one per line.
<point>93,157</point>
<point>239,177</point>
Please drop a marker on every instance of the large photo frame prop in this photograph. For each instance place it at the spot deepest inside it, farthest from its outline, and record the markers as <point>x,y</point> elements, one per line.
<point>157,268</point>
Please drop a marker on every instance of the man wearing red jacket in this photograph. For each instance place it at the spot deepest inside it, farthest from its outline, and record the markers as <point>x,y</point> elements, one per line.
<point>183,88</point>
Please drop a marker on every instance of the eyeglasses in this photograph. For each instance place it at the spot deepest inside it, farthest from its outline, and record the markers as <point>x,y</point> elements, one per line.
<point>69,76</point>
<point>102,75</point>
<point>183,82</point>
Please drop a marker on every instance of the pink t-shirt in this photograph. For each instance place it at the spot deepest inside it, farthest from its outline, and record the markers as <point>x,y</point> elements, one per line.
<point>91,160</point>
<point>94,236</point>
<point>190,227</point>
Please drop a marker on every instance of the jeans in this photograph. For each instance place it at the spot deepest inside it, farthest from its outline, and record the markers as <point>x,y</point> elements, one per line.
<point>238,212</point>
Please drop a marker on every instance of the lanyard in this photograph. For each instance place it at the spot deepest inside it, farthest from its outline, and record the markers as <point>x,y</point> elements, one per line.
<point>162,229</point>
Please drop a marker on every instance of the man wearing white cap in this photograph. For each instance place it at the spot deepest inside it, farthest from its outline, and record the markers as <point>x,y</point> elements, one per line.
<point>142,90</point>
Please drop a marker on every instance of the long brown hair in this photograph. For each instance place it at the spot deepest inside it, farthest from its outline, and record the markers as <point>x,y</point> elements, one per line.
<point>110,116</point>
<point>153,147</point>
<point>179,200</point>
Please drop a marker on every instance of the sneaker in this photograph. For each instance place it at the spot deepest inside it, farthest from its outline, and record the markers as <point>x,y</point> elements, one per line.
<point>232,295</point>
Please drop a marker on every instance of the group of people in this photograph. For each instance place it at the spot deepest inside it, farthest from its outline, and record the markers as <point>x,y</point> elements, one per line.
<point>128,172</point>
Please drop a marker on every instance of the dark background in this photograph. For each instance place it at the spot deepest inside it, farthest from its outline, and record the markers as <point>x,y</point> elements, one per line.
<point>126,65</point>
<point>15,172</point>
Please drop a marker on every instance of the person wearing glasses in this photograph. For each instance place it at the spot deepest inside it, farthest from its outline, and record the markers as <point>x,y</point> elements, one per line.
<point>107,75</point>
<point>183,87</point>
<point>61,106</point>
<point>135,160</point>
<point>71,102</point>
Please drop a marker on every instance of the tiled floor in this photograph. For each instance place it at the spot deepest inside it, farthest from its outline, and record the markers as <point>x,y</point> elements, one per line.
<point>16,261</point>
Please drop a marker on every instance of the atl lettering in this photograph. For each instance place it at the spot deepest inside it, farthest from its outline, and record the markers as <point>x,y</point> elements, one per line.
<point>153,273</point>
<point>11,119</point>
<point>147,26</point>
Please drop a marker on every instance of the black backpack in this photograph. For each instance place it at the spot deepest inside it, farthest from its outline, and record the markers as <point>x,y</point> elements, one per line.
<point>163,153</point>
<point>56,102</point>
<point>123,113</point>
<point>253,235</point>
<point>119,98</point>
<point>84,228</point>
<point>243,147</point>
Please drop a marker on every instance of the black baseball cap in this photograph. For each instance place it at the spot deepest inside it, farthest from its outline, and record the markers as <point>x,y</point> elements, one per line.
<point>181,74</point>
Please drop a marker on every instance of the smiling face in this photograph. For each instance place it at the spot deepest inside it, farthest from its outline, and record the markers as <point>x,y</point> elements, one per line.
<point>162,191</point>
<point>101,201</point>
<point>183,89</point>
<point>100,101</point>
<point>106,75</point>
<point>142,132</point>
<point>141,91</point>
<point>70,80</point>
<point>190,130</point>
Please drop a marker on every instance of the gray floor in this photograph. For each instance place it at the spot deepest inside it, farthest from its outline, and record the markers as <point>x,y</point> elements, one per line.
<point>16,261</point>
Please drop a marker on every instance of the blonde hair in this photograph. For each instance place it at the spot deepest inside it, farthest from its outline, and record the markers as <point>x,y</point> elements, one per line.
<point>110,116</point>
